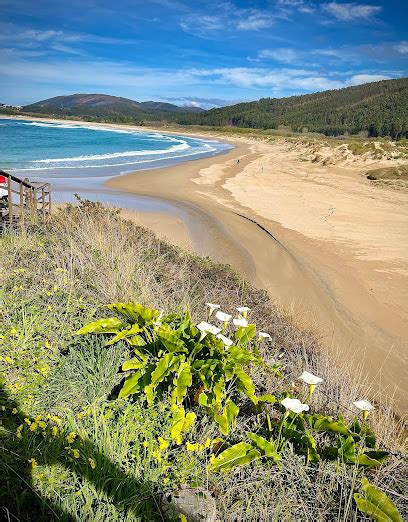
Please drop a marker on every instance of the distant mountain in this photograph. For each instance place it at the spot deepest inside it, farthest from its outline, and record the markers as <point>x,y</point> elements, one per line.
<point>105,106</point>
<point>379,108</point>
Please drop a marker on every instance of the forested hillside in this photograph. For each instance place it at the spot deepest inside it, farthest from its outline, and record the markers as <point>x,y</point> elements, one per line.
<point>105,106</point>
<point>380,109</point>
<point>376,109</point>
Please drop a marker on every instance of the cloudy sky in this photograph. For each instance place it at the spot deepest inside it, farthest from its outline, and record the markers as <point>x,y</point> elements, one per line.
<point>194,52</point>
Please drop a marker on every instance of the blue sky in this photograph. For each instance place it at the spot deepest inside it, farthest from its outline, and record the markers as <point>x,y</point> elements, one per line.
<point>195,52</point>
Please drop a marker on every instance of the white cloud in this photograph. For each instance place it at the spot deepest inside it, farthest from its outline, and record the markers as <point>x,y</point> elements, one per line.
<point>125,79</point>
<point>201,25</point>
<point>18,36</point>
<point>282,54</point>
<point>197,101</point>
<point>255,21</point>
<point>226,19</point>
<point>335,53</point>
<point>296,5</point>
<point>278,79</point>
<point>359,79</point>
<point>402,47</point>
<point>351,11</point>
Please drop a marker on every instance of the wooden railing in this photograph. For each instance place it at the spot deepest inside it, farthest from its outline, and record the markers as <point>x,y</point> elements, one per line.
<point>24,198</point>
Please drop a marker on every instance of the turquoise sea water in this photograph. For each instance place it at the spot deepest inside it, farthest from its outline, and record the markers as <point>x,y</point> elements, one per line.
<point>37,149</point>
<point>78,159</point>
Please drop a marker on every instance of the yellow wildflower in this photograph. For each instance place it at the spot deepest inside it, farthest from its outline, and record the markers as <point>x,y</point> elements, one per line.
<point>14,411</point>
<point>42,424</point>
<point>92,463</point>
<point>70,437</point>
<point>8,360</point>
<point>157,455</point>
<point>49,308</point>
<point>33,426</point>
<point>19,430</point>
<point>27,421</point>
<point>207,443</point>
<point>13,331</point>
<point>182,517</point>
<point>145,444</point>
<point>55,431</point>
<point>75,453</point>
<point>44,370</point>
<point>163,444</point>
<point>166,480</point>
<point>47,344</point>
<point>192,447</point>
<point>33,463</point>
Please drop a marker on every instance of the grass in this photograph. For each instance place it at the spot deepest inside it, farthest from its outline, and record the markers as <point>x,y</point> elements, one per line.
<point>84,454</point>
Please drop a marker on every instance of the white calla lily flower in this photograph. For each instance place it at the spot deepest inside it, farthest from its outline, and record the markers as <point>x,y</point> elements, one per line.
<point>311,380</point>
<point>264,335</point>
<point>222,316</point>
<point>364,406</point>
<point>228,342</point>
<point>294,405</point>
<point>240,321</point>
<point>243,310</point>
<point>206,328</point>
<point>212,307</point>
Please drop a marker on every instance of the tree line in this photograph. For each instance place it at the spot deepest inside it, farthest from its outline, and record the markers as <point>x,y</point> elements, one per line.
<point>378,109</point>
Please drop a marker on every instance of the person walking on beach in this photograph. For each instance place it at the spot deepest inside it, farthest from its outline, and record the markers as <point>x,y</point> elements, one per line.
<point>238,161</point>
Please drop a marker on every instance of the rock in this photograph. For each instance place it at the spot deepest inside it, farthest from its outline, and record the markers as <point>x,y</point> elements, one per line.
<point>196,504</point>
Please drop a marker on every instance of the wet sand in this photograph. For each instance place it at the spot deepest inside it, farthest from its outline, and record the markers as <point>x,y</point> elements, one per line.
<point>322,240</point>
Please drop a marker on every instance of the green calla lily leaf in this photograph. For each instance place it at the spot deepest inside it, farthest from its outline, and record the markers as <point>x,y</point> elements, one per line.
<point>376,504</point>
<point>108,325</point>
<point>237,455</point>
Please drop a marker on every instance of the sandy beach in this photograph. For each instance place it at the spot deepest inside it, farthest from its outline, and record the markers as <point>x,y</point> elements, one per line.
<point>328,246</point>
<point>323,241</point>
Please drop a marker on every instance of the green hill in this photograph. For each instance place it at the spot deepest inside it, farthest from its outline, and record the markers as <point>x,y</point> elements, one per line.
<point>379,108</point>
<point>105,106</point>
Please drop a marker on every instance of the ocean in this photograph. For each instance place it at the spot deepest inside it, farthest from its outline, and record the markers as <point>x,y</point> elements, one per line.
<point>79,158</point>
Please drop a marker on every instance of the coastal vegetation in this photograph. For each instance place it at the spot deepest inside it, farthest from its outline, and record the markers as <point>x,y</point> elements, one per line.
<point>189,380</point>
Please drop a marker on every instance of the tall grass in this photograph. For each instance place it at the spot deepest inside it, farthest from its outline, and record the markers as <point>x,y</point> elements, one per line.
<point>56,277</point>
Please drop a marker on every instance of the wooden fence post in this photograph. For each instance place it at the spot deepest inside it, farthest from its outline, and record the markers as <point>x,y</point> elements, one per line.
<point>10,199</point>
<point>43,201</point>
<point>22,202</point>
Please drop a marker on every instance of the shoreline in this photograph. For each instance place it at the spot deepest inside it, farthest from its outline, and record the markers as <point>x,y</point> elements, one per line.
<point>288,228</point>
<point>122,126</point>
